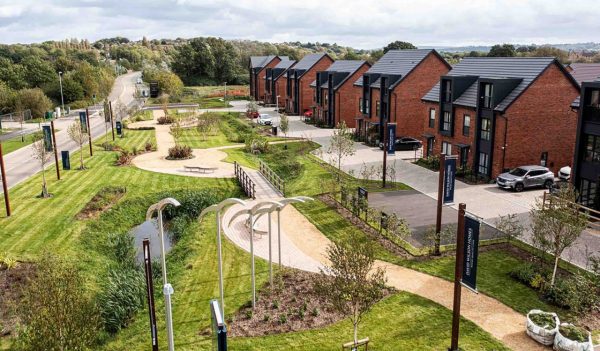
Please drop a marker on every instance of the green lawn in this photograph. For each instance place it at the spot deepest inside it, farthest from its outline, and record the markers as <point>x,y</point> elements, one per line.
<point>15,143</point>
<point>49,224</point>
<point>192,138</point>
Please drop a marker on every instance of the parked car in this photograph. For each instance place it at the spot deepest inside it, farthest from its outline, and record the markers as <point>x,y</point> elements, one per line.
<point>405,143</point>
<point>526,177</point>
<point>252,114</point>
<point>564,173</point>
<point>264,119</point>
<point>308,114</point>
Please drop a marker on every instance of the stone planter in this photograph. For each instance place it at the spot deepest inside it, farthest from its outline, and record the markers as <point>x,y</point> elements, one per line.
<point>562,343</point>
<point>542,335</point>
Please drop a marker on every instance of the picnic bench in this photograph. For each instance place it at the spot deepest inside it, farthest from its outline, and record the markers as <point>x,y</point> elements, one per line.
<point>200,169</point>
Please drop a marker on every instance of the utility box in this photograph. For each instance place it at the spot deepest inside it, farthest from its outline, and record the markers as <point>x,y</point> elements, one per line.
<point>66,162</point>
<point>274,130</point>
<point>154,91</point>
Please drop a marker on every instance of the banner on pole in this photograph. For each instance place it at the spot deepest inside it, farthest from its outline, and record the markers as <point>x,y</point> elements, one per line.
<point>83,121</point>
<point>119,127</point>
<point>47,138</point>
<point>66,160</point>
<point>150,293</point>
<point>471,253</point>
<point>363,193</point>
<point>391,148</point>
<point>449,179</point>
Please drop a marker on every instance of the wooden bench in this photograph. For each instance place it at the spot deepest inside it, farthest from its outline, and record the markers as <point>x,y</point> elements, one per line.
<point>200,169</point>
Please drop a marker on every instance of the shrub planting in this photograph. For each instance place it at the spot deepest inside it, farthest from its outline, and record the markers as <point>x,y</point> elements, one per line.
<point>180,152</point>
<point>165,120</point>
<point>123,158</point>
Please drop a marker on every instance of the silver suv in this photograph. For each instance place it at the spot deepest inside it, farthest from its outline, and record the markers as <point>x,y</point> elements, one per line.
<point>526,177</point>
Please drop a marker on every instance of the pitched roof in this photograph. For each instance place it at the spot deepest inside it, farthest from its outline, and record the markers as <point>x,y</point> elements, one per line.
<point>282,68</point>
<point>285,63</point>
<point>342,66</point>
<point>577,101</point>
<point>262,61</point>
<point>525,68</point>
<point>307,62</point>
<point>397,62</point>
<point>585,72</point>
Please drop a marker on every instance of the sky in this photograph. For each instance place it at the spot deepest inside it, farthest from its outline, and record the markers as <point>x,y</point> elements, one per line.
<point>363,24</point>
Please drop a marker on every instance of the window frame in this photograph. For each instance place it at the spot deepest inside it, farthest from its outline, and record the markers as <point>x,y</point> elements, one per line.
<point>483,167</point>
<point>446,126</point>
<point>466,127</point>
<point>487,99</point>
<point>446,148</point>
<point>432,113</point>
<point>486,134</point>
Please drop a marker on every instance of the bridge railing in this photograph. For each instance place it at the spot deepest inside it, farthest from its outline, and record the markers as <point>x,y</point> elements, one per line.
<point>272,177</point>
<point>244,180</point>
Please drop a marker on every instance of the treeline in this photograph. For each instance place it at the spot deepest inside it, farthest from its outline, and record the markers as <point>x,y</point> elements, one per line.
<point>29,75</point>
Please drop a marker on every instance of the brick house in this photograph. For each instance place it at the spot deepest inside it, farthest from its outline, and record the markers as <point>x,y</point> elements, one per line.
<point>256,69</point>
<point>585,172</point>
<point>299,96</point>
<point>584,72</point>
<point>275,82</point>
<point>406,76</point>
<point>335,98</point>
<point>497,113</point>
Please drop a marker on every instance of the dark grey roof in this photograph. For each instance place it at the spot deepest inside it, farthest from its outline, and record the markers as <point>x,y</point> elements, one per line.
<point>285,63</point>
<point>525,68</point>
<point>342,66</point>
<point>281,68</point>
<point>262,61</point>
<point>397,62</point>
<point>585,72</point>
<point>308,61</point>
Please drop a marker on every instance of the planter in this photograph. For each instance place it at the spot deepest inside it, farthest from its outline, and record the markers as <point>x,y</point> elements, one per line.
<point>563,343</point>
<point>541,334</point>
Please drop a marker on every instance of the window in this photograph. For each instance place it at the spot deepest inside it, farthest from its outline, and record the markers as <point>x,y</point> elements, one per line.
<point>360,104</point>
<point>446,148</point>
<point>588,190</point>
<point>367,106</point>
<point>432,118</point>
<point>447,91</point>
<point>377,108</point>
<point>447,121</point>
<point>466,125</point>
<point>486,129</point>
<point>464,157</point>
<point>592,149</point>
<point>484,166</point>
<point>487,95</point>
<point>595,98</point>
<point>325,97</point>
<point>430,146</point>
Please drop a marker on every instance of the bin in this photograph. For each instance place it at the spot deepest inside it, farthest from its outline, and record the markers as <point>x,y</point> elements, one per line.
<point>274,130</point>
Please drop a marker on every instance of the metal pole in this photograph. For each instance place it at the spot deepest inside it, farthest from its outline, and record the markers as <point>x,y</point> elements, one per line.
<point>112,125</point>
<point>252,254</point>
<point>385,151</point>
<point>460,235</point>
<point>279,235</point>
<point>438,221</point>
<point>55,150</point>
<point>62,100</point>
<point>150,293</point>
<point>89,125</point>
<point>167,288</point>
<point>4,183</point>
<point>270,255</point>
<point>219,254</point>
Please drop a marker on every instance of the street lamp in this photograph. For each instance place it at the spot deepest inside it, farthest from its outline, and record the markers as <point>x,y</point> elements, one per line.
<point>62,99</point>
<point>217,209</point>
<point>251,212</point>
<point>167,288</point>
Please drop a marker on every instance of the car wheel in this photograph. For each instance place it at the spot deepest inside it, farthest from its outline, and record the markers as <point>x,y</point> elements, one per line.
<point>519,187</point>
<point>548,184</point>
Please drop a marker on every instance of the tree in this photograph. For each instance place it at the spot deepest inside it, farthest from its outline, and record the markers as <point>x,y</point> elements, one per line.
<point>350,284</point>
<point>34,100</point>
<point>341,145</point>
<point>79,136</point>
<point>510,226</point>
<point>176,132</point>
<point>38,71</point>
<point>549,51</point>
<point>504,50</point>
<point>206,124</point>
<point>398,45</point>
<point>557,224</point>
<point>57,312</point>
<point>41,154</point>
<point>164,102</point>
<point>284,124</point>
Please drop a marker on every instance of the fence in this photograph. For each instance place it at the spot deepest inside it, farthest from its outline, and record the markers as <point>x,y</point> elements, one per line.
<point>22,116</point>
<point>272,177</point>
<point>245,181</point>
<point>593,216</point>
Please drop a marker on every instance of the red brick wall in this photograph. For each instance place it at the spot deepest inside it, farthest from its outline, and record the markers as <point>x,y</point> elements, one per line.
<point>406,106</point>
<point>347,98</point>
<point>458,138</point>
<point>281,89</point>
<point>306,92</point>
<point>261,77</point>
<point>540,120</point>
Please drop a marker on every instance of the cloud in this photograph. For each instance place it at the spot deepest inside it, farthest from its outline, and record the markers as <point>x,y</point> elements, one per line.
<point>358,23</point>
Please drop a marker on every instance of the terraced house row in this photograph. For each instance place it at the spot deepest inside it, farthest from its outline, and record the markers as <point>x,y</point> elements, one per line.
<point>495,113</point>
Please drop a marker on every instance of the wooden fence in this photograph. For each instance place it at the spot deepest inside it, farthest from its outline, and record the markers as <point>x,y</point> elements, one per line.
<point>245,181</point>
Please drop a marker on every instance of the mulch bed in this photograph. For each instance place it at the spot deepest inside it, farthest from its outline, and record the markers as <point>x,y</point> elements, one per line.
<point>101,202</point>
<point>12,282</point>
<point>292,306</point>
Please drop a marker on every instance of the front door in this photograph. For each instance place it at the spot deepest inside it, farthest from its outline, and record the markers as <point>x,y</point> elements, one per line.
<point>430,146</point>
<point>464,157</point>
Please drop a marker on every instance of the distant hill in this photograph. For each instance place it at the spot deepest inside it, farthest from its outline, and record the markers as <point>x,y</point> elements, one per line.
<point>568,47</point>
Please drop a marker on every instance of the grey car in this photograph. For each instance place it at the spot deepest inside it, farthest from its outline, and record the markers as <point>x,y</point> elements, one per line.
<point>526,177</point>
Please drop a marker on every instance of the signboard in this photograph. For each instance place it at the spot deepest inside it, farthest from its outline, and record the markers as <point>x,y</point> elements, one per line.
<point>47,138</point>
<point>66,162</point>
<point>449,179</point>
<point>391,147</point>
<point>83,121</point>
<point>363,193</point>
<point>119,127</point>
<point>471,253</point>
<point>150,293</point>
<point>218,326</point>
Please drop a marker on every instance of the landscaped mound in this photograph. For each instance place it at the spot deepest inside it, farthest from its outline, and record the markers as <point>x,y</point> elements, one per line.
<point>102,201</point>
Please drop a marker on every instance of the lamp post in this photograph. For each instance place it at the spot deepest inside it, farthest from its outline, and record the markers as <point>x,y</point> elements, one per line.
<point>167,288</point>
<point>217,209</point>
<point>225,96</point>
<point>62,99</point>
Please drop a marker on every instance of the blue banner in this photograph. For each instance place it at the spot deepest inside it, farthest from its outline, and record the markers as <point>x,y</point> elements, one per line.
<point>83,121</point>
<point>449,179</point>
<point>119,127</point>
<point>47,138</point>
<point>391,149</point>
<point>471,253</point>
<point>66,161</point>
